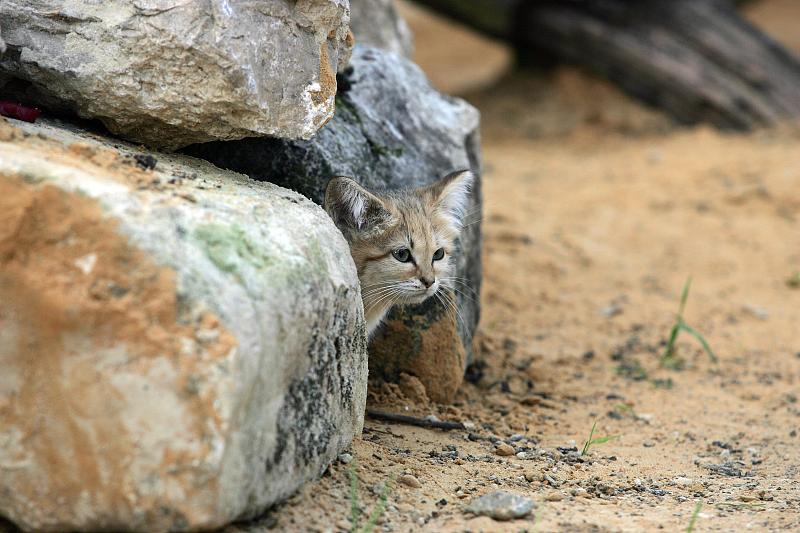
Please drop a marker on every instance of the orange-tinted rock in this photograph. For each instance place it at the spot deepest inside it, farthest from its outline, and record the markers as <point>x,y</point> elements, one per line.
<point>179,347</point>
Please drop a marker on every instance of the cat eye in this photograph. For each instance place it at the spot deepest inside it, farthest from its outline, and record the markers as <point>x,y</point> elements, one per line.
<point>438,254</point>
<point>402,254</point>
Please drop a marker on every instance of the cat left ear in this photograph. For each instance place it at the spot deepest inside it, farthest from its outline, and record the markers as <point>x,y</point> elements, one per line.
<point>351,205</point>
<point>451,195</point>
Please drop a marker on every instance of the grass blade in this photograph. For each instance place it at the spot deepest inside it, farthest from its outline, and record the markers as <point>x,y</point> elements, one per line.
<point>694,333</point>
<point>377,511</point>
<point>692,521</point>
<point>589,440</point>
<point>354,512</point>
<point>667,359</point>
<point>603,440</point>
<point>684,297</point>
<point>673,335</point>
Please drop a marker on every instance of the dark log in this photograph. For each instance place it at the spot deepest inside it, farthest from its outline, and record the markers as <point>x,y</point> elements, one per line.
<point>698,60</point>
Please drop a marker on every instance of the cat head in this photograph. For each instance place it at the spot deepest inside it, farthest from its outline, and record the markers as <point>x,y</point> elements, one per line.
<point>401,241</point>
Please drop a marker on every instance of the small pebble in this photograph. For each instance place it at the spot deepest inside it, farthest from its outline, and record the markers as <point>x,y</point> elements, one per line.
<point>345,458</point>
<point>409,481</point>
<point>758,312</point>
<point>504,449</point>
<point>501,505</point>
<point>554,497</point>
<point>553,482</point>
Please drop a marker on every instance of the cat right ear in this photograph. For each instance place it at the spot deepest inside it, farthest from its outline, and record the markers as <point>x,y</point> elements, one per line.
<point>351,205</point>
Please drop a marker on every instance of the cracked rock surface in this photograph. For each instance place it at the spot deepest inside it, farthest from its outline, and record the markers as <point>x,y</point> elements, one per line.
<point>169,73</point>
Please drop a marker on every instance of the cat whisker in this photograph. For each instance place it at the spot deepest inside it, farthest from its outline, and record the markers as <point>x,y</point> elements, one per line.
<point>455,308</point>
<point>377,290</point>
<point>471,223</point>
<point>457,278</point>
<point>463,285</point>
<point>373,299</point>
<point>464,294</point>
<point>379,294</point>
<point>379,285</point>
<point>450,305</point>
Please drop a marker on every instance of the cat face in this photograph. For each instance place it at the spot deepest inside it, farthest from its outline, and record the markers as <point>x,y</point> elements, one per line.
<point>401,241</point>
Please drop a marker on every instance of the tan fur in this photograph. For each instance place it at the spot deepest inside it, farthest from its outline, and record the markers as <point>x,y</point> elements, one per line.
<point>375,224</point>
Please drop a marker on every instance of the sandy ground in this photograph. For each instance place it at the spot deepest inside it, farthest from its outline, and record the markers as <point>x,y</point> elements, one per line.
<point>597,211</point>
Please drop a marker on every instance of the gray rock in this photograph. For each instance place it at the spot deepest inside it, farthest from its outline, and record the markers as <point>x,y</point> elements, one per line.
<point>345,458</point>
<point>169,73</point>
<point>501,505</point>
<point>180,346</point>
<point>378,23</point>
<point>391,130</point>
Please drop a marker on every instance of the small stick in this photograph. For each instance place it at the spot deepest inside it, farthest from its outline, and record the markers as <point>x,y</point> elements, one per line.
<point>413,420</point>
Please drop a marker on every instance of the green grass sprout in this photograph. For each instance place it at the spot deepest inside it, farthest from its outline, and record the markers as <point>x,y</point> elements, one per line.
<point>668,359</point>
<point>693,520</point>
<point>355,511</point>
<point>592,440</point>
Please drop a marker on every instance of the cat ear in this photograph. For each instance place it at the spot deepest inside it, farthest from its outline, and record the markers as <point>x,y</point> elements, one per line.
<point>451,195</point>
<point>351,205</point>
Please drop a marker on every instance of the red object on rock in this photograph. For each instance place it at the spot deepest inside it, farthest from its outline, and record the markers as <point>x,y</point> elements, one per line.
<point>19,111</point>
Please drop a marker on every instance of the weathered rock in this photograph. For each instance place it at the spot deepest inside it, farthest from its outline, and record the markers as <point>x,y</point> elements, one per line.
<point>170,73</point>
<point>504,449</point>
<point>377,23</point>
<point>391,130</point>
<point>180,346</point>
<point>501,505</point>
<point>409,481</point>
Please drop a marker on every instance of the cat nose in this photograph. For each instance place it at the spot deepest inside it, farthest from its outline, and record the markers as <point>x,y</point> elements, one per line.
<point>427,281</point>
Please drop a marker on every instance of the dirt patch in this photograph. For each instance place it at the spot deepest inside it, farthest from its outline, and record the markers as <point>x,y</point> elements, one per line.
<point>597,211</point>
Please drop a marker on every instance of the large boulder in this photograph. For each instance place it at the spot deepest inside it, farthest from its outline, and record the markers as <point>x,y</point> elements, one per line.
<point>378,23</point>
<point>170,72</point>
<point>180,346</point>
<point>391,130</point>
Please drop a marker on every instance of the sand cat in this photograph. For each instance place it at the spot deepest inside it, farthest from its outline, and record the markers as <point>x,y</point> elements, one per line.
<point>401,241</point>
